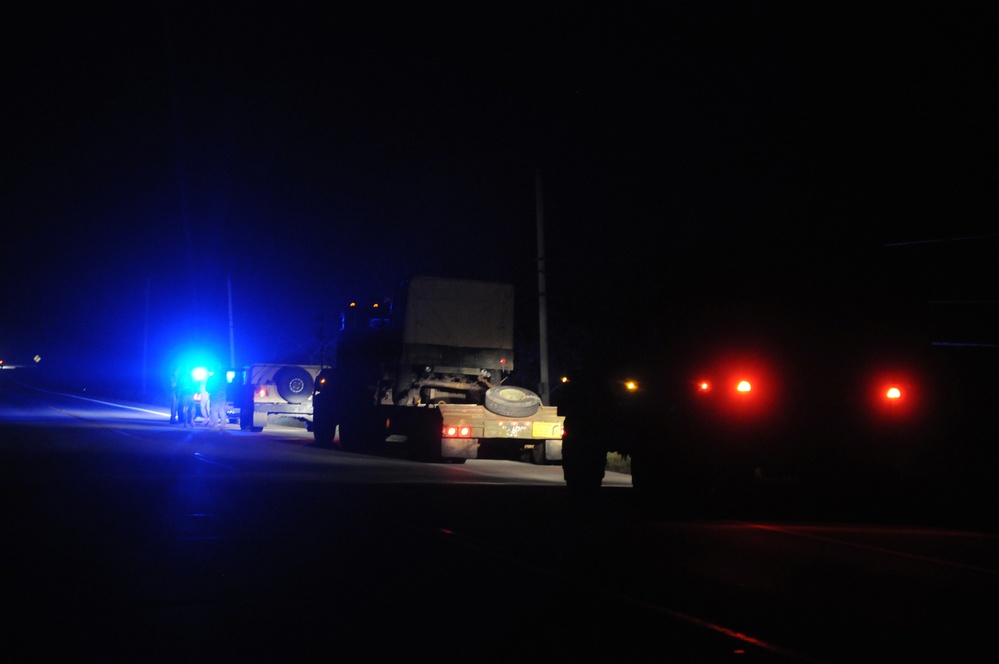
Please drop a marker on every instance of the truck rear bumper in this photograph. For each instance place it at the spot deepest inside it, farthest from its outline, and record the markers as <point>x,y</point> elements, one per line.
<point>301,410</point>
<point>498,431</point>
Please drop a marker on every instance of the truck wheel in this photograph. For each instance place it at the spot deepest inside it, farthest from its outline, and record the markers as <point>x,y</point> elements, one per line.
<point>294,384</point>
<point>246,409</point>
<point>324,432</point>
<point>424,432</point>
<point>512,401</point>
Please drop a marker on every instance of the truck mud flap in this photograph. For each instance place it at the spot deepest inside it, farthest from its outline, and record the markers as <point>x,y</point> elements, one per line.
<point>546,451</point>
<point>459,448</point>
<point>419,431</point>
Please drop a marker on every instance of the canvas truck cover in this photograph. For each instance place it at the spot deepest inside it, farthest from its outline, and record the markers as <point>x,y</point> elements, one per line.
<point>459,313</point>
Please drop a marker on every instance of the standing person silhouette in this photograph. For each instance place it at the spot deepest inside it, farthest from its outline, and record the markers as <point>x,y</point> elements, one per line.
<point>217,397</point>
<point>176,396</point>
<point>188,389</point>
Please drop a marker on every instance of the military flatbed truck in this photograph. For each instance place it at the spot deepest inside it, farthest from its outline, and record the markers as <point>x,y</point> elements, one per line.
<point>425,372</point>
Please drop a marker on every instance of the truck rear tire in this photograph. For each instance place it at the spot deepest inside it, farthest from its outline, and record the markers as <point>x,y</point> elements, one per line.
<point>423,430</point>
<point>323,432</point>
<point>512,401</point>
<point>246,408</point>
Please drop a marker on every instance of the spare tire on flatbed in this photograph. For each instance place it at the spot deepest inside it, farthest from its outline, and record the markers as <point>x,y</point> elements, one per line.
<point>512,401</point>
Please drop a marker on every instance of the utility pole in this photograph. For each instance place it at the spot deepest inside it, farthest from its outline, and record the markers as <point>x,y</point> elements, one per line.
<point>542,295</point>
<point>145,339</point>
<point>232,343</point>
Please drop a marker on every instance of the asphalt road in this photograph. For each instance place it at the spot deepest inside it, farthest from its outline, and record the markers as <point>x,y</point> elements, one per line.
<point>127,538</point>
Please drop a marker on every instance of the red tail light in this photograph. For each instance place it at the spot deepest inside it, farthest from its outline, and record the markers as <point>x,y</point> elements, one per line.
<point>738,388</point>
<point>457,431</point>
<point>897,395</point>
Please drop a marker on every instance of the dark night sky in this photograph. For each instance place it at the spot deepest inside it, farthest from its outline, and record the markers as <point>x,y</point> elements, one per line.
<point>310,152</point>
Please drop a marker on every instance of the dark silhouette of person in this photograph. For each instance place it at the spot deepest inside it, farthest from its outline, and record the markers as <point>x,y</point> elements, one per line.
<point>176,396</point>
<point>216,388</point>
<point>188,389</point>
<point>583,400</point>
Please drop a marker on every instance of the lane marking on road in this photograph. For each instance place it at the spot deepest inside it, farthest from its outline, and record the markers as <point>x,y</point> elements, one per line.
<point>200,457</point>
<point>673,613</point>
<point>115,405</point>
<point>878,549</point>
<point>719,629</point>
<point>103,403</point>
<point>97,422</point>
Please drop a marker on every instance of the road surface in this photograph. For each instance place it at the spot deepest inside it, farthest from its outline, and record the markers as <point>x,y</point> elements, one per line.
<point>127,538</point>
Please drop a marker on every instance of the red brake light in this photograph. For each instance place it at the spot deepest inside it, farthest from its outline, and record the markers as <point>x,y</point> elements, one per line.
<point>262,392</point>
<point>898,395</point>
<point>739,388</point>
